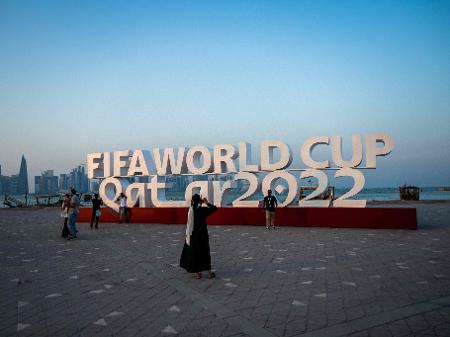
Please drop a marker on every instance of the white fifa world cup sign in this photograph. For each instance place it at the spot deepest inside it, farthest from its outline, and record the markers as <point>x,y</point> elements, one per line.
<point>115,169</point>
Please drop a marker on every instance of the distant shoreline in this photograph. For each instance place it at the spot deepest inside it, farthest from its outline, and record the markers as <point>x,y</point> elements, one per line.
<point>407,202</point>
<point>376,203</point>
<point>430,214</point>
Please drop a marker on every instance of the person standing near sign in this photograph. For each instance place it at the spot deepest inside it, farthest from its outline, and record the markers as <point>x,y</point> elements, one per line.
<point>65,214</point>
<point>195,256</point>
<point>74,205</point>
<point>270,203</point>
<point>123,211</point>
<point>96,203</point>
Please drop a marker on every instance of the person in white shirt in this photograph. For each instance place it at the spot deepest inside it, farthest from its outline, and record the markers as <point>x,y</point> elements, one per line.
<point>123,211</point>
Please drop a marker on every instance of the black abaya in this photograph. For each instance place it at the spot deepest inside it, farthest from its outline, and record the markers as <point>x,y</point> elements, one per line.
<point>196,257</point>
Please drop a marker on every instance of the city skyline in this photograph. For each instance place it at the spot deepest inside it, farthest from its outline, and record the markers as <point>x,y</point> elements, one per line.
<point>89,77</point>
<point>47,182</point>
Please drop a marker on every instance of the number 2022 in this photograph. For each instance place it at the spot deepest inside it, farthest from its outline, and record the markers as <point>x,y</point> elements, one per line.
<point>308,201</point>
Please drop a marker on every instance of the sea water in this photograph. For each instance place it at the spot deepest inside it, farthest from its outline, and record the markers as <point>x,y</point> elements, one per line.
<point>369,194</point>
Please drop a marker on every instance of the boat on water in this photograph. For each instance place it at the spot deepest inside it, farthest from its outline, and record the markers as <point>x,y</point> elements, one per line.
<point>13,202</point>
<point>444,189</point>
<point>408,192</point>
<point>328,194</point>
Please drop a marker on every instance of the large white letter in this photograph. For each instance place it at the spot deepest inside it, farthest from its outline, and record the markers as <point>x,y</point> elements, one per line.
<point>253,185</point>
<point>120,165</point>
<point>220,191</point>
<point>107,167</point>
<point>135,193</point>
<point>203,188</point>
<point>158,195</point>
<point>245,154</point>
<point>322,184</point>
<point>92,165</point>
<point>307,148</point>
<point>100,169</point>
<point>169,164</point>
<point>372,151</point>
<point>336,151</point>
<point>192,159</point>
<point>267,155</point>
<point>291,183</point>
<point>358,185</point>
<point>109,190</point>
<point>138,164</point>
<point>223,158</point>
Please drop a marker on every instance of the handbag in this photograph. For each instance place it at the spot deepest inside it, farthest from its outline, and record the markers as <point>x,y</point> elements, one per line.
<point>98,213</point>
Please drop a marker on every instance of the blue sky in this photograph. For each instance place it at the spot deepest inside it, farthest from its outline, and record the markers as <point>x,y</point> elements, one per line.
<point>88,76</point>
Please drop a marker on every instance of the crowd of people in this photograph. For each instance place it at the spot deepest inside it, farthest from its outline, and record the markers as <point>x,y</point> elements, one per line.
<point>195,256</point>
<point>70,210</point>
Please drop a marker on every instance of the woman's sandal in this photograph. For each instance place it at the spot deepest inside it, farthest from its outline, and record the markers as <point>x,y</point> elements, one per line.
<point>211,275</point>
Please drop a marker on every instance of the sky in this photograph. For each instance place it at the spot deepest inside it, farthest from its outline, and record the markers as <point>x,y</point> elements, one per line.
<point>90,76</point>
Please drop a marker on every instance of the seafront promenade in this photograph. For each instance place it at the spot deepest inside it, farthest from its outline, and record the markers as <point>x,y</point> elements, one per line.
<point>124,280</point>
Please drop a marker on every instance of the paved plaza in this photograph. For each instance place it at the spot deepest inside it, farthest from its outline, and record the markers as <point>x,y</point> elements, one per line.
<point>124,280</point>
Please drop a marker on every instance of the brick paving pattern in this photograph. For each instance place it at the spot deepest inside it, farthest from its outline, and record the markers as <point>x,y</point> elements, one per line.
<point>124,280</point>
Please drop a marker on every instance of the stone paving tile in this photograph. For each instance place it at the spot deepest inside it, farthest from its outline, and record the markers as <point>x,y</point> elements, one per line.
<point>124,280</point>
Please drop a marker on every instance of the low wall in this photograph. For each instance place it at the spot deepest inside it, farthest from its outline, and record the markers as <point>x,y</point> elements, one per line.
<point>375,218</point>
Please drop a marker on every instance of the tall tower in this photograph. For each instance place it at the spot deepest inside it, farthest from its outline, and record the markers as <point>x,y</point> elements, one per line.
<point>22,187</point>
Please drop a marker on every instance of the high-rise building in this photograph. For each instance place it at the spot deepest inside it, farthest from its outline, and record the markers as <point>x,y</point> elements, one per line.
<point>16,184</point>
<point>37,185</point>
<point>9,184</point>
<point>95,185</point>
<point>79,179</point>
<point>46,183</point>
<point>1,181</point>
<point>6,183</point>
<point>64,182</point>
<point>22,183</point>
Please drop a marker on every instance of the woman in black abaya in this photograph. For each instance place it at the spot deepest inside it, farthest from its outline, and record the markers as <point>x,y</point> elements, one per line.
<point>196,257</point>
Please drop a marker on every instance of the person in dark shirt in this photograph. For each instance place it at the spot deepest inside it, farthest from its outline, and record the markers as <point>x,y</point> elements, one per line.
<point>270,204</point>
<point>74,212</point>
<point>96,203</point>
<point>196,256</point>
<point>65,214</point>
